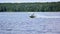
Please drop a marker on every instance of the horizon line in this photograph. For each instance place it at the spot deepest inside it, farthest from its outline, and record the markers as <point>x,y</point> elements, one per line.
<point>28,2</point>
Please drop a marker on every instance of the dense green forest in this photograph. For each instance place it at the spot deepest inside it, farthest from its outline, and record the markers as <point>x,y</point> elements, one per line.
<point>32,7</point>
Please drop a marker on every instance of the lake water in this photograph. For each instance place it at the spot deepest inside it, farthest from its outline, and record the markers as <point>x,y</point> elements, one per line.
<point>21,23</point>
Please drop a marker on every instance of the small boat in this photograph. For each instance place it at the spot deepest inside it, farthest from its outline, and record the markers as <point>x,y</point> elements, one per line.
<point>32,16</point>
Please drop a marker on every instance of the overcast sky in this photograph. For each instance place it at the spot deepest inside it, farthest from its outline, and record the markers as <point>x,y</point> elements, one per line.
<point>20,1</point>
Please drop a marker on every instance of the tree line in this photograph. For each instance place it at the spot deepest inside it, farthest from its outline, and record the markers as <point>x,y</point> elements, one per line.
<point>32,7</point>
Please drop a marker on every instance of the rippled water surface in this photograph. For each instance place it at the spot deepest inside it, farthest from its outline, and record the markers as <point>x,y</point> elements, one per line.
<point>21,23</point>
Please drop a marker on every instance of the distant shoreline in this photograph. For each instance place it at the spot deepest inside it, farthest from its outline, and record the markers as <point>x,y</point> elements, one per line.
<point>30,7</point>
